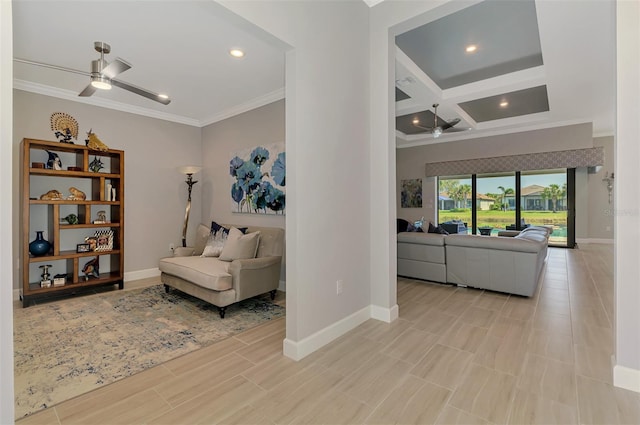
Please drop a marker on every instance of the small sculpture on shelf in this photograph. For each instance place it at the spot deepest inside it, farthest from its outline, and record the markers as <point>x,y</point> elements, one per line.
<point>45,282</point>
<point>92,268</point>
<point>76,194</point>
<point>71,219</point>
<point>96,165</point>
<point>94,143</point>
<point>64,126</point>
<point>102,217</point>
<point>52,195</point>
<point>54,162</point>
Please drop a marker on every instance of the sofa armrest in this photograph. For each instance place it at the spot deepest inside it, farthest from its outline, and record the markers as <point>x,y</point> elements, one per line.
<point>255,276</point>
<point>184,251</point>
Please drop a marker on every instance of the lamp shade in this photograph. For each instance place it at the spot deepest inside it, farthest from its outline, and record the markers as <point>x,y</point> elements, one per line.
<point>189,169</point>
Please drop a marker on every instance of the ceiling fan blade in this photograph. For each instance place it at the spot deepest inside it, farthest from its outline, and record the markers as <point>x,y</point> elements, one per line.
<point>449,124</point>
<point>140,91</point>
<point>116,67</point>
<point>46,65</point>
<point>429,129</point>
<point>88,91</point>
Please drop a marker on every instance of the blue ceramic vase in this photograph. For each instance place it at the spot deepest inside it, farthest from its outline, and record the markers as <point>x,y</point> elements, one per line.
<point>39,246</point>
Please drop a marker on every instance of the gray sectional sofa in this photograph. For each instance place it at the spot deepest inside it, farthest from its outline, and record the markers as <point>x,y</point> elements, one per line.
<point>505,264</point>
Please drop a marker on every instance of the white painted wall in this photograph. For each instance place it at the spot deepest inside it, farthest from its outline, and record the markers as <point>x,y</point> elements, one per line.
<point>328,162</point>
<point>626,372</point>
<point>155,193</point>
<point>7,409</point>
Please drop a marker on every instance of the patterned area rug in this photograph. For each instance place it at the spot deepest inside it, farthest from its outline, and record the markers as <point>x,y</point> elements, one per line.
<point>69,347</point>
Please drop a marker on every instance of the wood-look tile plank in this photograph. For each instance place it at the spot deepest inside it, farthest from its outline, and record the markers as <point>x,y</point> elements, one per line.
<point>336,408</point>
<point>452,416</point>
<point>190,384</point>
<point>279,369</point>
<point>372,382</point>
<point>262,331</point>
<point>391,409</point>
<point>204,355</point>
<point>530,408</point>
<point>411,346</point>
<point>211,405</point>
<point>601,403</point>
<point>263,349</point>
<point>485,393</point>
<point>464,336</point>
<point>550,378</point>
<point>442,365</point>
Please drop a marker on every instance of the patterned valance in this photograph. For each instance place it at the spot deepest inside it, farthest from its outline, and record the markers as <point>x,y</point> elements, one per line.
<point>533,161</point>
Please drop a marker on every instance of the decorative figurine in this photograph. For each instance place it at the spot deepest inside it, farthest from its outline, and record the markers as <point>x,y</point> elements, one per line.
<point>45,282</point>
<point>91,268</point>
<point>64,126</point>
<point>76,194</point>
<point>72,219</point>
<point>53,163</point>
<point>52,195</point>
<point>102,218</point>
<point>96,165</point>
<point>94,143</point>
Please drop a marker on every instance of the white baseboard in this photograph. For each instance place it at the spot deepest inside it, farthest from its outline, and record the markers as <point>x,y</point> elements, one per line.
<point>141,274</point>
<point>627,378</point>
<point>16,295</point>
<point>594,240</point>
<point>301,349</point>
<point>282,286</point>
<point>384,314</point>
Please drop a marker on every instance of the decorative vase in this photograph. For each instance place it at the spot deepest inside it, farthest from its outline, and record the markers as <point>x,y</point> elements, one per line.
<point>39,246</point>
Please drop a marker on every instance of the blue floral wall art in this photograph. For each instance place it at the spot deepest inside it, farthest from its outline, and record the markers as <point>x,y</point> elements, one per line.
<point>258,180</point>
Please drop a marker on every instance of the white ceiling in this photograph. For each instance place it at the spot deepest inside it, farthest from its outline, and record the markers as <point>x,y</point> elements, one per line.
<point>181,48</point>
<point>178,48</point>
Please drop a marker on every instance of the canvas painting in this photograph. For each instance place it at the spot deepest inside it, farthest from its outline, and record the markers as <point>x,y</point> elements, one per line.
<point>411,194</point>
<point>258,180</point>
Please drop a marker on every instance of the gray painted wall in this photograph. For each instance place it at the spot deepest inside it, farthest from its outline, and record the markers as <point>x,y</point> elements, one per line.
<point>155,193</point>
<point>261,126</point>
<point>592,209</point>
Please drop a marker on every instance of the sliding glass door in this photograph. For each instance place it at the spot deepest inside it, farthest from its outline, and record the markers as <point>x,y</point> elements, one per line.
<point>489,203</point>
<point>455,200</point>
<point>544,201</point>
<point>495,203</point>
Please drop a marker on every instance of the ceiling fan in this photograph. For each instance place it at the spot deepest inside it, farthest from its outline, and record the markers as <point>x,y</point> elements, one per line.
<point>103,73</point>
<point>437,129</point>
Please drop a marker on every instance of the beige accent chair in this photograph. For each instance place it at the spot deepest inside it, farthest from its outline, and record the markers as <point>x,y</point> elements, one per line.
<point>223,283</point>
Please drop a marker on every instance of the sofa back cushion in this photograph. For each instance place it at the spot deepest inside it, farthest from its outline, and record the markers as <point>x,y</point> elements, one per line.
<point>202,236</point>
<point>271,241</point>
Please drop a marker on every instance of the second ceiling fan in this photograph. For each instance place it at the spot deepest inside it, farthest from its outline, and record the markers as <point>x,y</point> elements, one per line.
<point>439,125</point>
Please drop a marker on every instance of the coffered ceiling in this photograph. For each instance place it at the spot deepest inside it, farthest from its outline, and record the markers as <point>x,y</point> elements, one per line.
<point>504,66</point>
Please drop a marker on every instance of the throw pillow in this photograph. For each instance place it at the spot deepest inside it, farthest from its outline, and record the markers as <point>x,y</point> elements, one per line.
<point>215,227</point>
<point>432,228</point>
<point>239,246</point>
<point>215,243</point>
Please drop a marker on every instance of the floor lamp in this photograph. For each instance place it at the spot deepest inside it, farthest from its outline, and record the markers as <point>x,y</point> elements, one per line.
<point>189,170</point>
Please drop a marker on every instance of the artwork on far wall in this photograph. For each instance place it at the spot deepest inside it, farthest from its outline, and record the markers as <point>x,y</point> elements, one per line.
<point>411,194</point>
<point>258,180</point>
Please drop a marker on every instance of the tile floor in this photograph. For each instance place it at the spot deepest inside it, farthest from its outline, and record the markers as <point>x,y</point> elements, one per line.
<point>455,356</point>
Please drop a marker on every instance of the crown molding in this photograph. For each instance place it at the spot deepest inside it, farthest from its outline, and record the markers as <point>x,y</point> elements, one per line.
<point>103,103</point>
<point>245,107</point>
<point>118,106</point>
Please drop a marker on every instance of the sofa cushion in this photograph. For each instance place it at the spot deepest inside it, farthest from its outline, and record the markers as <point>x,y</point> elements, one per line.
<point>202,235</point>
<point>532,244</point>
<point>239,246</point>
<point>207,272</point>
<point>436,239</point>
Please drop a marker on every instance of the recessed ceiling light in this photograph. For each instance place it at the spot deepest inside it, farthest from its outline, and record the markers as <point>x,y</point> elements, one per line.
<point>471,48</point>
<point>163,96</point>
<point>504,104</point>
<point>416,120</point>
<point>236,53</point>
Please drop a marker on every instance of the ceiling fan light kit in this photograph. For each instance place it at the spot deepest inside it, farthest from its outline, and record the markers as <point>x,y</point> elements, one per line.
<point>437,130</point>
